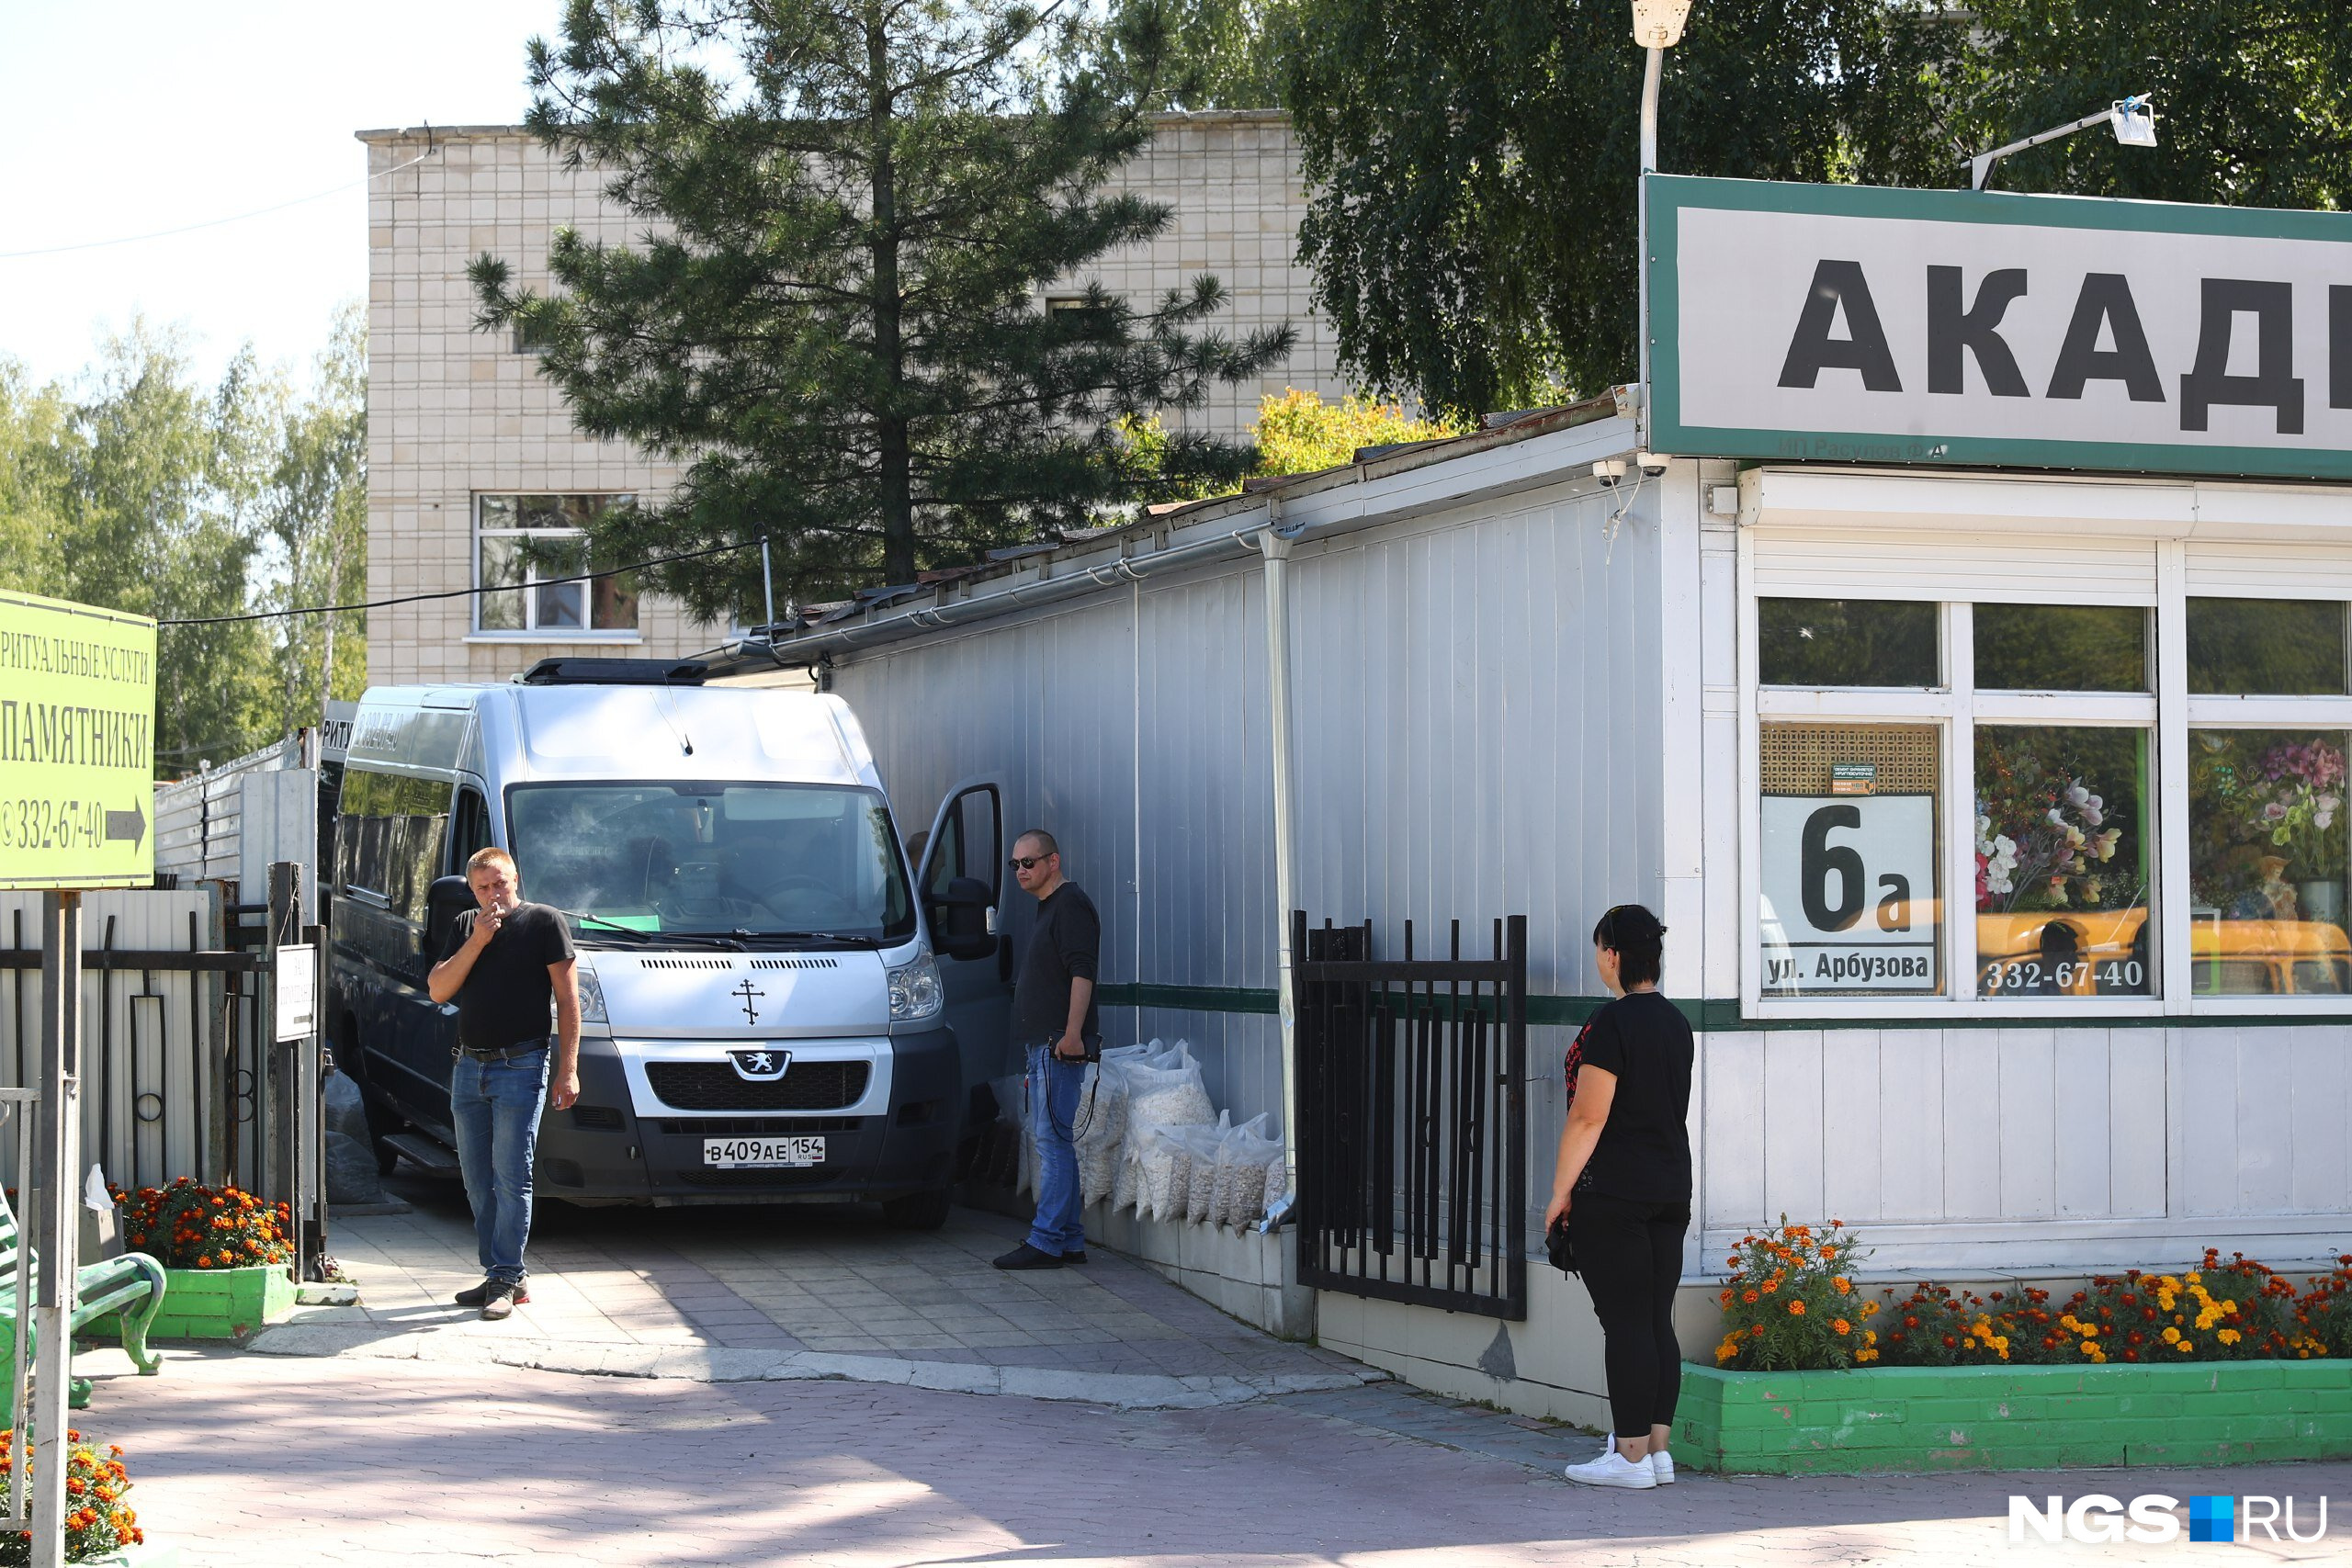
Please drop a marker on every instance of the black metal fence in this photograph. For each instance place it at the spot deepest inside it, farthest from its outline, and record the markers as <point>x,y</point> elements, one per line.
<point>1412,1118</point>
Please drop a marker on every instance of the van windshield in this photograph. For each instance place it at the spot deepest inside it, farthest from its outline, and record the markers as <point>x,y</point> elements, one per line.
<point>749,860</point>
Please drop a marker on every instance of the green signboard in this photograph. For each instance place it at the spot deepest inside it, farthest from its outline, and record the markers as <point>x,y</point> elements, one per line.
<point>77,744</point>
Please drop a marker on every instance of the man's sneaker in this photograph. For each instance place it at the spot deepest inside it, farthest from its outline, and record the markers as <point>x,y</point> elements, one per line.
<point>501,1299</point>
<point>1027,1256</point>
<point>1614,1469</point>
<point>1077,1256</point>
<point>1662,1466</point>
<point>480,1293</point>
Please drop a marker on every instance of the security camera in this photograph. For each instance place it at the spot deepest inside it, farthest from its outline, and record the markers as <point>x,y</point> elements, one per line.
<point>1650,462</point>
<point>1609,471</point>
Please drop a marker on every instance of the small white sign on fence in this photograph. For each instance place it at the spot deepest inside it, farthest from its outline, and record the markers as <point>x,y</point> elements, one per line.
<point>297,992</point>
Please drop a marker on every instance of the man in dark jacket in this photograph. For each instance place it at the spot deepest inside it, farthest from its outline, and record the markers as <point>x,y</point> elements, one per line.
<point>1054,1019</point>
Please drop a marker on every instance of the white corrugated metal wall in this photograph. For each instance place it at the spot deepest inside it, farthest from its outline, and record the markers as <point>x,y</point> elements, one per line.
<point>1476,733</point>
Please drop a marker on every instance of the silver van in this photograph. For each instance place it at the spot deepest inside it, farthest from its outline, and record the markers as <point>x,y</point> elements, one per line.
<point>764,1012</point>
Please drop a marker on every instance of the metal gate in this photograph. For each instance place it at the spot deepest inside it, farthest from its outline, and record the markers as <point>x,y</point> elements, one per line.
<point>1412,1148</point>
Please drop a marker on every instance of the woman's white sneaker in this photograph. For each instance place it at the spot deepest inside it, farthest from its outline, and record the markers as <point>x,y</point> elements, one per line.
<point>1614,1469</point>
<point>1662,1467</point>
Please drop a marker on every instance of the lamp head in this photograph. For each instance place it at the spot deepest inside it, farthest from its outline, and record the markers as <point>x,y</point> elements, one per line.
<point>2134,121</point>
<point>1658,24</point>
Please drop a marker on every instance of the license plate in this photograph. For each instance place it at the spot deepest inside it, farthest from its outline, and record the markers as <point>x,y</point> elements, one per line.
<point>741,1154</point>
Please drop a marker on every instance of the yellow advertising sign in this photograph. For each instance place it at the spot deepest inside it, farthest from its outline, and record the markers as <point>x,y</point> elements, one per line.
<point>77,744</point>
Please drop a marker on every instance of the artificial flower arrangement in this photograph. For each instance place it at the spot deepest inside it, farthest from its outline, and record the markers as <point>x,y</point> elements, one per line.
<point>2042,836</point>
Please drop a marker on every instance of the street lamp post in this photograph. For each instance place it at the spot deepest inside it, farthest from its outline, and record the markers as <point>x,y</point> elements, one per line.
<point>1658,26</point>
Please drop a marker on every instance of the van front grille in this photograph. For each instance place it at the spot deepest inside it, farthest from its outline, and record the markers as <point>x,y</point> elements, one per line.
<point>716,1086</point>
<point>752,1127</point>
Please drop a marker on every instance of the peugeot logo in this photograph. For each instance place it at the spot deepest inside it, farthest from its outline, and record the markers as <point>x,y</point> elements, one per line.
<point>760,1065</point>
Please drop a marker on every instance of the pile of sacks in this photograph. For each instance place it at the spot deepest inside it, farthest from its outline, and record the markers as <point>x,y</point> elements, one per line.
<point>1148,1139</point>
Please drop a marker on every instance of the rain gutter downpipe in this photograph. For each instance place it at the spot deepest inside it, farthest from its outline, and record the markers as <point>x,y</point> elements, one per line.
<point>1273,541</point>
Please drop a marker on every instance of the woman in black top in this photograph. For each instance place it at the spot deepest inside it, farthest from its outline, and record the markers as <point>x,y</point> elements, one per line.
<point>1622,1184</point>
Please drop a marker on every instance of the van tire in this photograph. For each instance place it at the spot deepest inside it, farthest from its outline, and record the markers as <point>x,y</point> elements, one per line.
<point>924,1211</point>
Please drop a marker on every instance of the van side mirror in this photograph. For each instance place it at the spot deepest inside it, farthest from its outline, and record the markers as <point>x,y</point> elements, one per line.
<point>961,921</point>
<point>445,900</point>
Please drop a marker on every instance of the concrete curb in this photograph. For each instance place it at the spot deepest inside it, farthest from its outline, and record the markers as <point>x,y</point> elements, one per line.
<point>714,1365</point>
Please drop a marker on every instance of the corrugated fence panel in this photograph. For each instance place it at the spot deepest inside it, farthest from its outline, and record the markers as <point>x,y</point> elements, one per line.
<point>147,1035</point>
<point>1834,563</point>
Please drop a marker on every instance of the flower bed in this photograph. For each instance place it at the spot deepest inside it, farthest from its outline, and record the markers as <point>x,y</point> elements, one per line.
<point>214,1304</point>
<point>2012,1418</point>
<point>2226,1363</point>
<point>98,1524</point>
<point>224,1253</point>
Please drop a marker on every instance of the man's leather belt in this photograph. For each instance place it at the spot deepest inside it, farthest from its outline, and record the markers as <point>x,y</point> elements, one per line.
<point>504,1053</point>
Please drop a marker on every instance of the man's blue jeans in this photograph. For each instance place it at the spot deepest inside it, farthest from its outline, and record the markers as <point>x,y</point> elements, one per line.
<point>496,1108</point>
<point>1054,1086</point>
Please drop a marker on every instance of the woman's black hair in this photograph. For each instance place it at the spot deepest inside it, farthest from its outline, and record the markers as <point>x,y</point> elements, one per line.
<point>1634,935</point>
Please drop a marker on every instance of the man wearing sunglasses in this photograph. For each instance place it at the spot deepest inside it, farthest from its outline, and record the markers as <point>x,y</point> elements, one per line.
<point>1054,1019</point>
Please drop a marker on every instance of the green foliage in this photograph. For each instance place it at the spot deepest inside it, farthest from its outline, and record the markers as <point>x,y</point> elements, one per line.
<point>1472,230</point>
<point>141,489</point>
<point>1220,54</point>
<point>1298,432</point>
<point>2251,100</point>
<point>1473,167</point>
<point>833,315</point>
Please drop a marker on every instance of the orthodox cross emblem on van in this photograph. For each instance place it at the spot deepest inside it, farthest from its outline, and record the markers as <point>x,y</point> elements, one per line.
<point>748,993</point>
<point>761,1064</point>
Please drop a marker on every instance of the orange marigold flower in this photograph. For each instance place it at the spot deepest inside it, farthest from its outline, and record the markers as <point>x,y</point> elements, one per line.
<point>1749,1297</point>
<point>1796,1309</point>
<point>1841,1326</point>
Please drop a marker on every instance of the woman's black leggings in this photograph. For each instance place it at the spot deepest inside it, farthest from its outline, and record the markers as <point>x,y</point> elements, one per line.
<point>1630,1257</point>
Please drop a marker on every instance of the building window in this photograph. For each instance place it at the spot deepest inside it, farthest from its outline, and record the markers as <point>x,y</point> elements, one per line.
<point>1851,858</point>
<point>2267,862</point>
<point>525,548</point>
<point>2020,809</point>
<point>2062,861</point>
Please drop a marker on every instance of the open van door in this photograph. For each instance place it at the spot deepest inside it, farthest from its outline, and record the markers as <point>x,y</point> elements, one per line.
<point>961,883</point>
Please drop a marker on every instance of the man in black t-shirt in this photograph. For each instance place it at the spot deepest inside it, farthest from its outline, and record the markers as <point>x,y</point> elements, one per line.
<point>1054,1021</point>
<point>506,964</point>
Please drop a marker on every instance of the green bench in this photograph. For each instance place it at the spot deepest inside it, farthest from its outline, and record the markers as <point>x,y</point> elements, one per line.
<point>131,1286</point>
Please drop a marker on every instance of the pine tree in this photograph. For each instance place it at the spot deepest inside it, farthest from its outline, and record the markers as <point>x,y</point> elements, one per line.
<point>832,316</point>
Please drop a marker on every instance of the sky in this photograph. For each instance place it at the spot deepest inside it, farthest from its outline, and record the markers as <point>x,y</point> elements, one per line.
<point>123,118</point>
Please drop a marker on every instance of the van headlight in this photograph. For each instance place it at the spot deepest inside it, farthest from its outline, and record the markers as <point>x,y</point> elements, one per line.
<point>915,991</point>
<point>592,995</point>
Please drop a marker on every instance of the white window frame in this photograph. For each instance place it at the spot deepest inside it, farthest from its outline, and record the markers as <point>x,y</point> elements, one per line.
<point>1955,708</point>
<point>530,631</point>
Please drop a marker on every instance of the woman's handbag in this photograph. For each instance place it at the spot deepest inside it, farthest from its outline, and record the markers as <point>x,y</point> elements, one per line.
<point>1561,1250</point>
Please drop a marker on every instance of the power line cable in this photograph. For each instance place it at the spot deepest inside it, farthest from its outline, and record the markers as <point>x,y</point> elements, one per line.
<point>214,222</point>
<point>460,592</point>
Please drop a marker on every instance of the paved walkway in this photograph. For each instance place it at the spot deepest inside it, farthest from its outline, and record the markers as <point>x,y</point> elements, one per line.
<point>739,1294</point>
<point>356,1464</point>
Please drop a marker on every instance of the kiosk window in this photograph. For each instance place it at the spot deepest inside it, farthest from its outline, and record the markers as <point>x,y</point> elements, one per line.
<point>2266,862</point>
<point>2062,862</point>
<point>1851,857</point>
<point>1845,642</point>
<point>2062,648</point>
<point>2265,648</point>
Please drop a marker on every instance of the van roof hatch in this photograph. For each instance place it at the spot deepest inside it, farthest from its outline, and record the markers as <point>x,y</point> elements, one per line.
<point>614,673</point>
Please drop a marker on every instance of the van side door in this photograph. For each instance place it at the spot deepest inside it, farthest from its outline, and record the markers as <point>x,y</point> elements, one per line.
<point>965,847</point>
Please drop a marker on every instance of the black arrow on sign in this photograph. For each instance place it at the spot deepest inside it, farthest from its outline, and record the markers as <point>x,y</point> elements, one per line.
<point>130,824</point>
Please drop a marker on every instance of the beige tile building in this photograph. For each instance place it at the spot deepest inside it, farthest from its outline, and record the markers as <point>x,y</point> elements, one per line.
<point>469,451</point>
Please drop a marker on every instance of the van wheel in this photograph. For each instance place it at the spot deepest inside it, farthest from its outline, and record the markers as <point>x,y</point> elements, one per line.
<point>924,1211</point>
